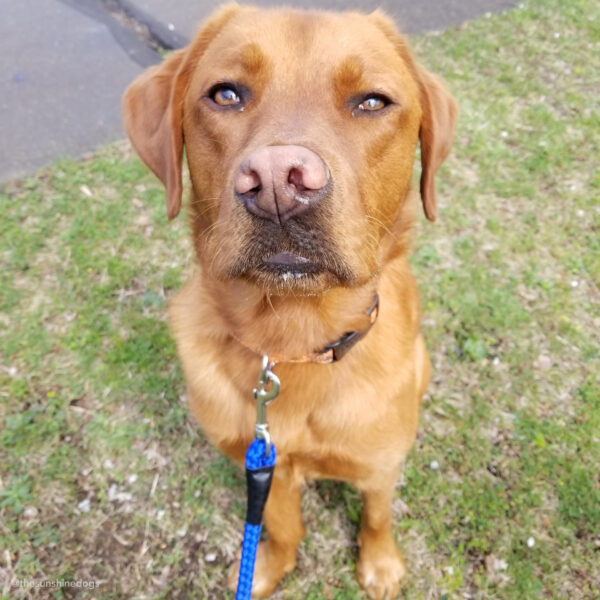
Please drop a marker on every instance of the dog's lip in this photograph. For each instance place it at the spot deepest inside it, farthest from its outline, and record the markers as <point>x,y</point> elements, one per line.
<point>282,264</point>
<point>287,259</point>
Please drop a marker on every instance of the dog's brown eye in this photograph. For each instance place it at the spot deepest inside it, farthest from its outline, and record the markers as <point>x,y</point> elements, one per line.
<point>373,103</point>
<point>225,96</point>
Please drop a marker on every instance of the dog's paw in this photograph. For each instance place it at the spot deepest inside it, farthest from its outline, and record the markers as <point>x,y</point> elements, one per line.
<point>380,570</point>
<point>271,566</point>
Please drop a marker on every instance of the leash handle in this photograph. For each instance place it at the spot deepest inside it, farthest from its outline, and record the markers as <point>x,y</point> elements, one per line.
<point>259,474</point>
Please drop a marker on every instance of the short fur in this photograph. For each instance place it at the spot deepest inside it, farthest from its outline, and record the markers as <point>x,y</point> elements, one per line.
<point>354,420</point>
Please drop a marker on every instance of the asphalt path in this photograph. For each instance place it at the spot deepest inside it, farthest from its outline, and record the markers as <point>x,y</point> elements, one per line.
<point>65,63</point>
<point>175,21</point>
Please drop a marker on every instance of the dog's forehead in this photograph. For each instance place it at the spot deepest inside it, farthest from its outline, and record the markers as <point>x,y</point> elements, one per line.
<point>308,43</point>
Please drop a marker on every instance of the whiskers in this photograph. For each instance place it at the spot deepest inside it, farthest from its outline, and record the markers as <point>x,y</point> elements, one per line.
<point>209,204</point>
<point>228,229</point>
<point>380,222</point>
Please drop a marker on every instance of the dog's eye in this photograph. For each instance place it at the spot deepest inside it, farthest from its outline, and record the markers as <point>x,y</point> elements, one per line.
<point>224,95</point>
<point>373,103</point>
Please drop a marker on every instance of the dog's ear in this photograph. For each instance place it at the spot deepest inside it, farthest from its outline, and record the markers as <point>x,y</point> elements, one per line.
<point>439,114</point>
<point>152,119</point>
<point>153,109</point>
<point>438,122</point>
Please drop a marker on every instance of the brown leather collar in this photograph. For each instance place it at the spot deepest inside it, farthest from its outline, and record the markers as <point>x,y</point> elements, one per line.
<point>336,350</point>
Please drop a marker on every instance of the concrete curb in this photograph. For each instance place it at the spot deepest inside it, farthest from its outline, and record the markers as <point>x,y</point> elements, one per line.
<point>136,49</point>
<point>168,39</point>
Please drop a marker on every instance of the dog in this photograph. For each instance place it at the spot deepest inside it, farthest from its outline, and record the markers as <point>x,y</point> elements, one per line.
<point>300,130</point>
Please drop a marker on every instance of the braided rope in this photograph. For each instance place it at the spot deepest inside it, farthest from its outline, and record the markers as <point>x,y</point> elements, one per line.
<point>256,455</point>
<point>255,459</point>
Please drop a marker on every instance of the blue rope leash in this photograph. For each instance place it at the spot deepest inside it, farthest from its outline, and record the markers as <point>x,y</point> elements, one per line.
<point>260,463</point>
<point>259,473</point>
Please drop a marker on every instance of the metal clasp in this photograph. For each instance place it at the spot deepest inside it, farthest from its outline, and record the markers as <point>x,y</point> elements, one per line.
<point>267,391</point>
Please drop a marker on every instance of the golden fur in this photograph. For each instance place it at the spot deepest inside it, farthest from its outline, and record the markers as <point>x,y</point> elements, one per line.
<point>354,420</point>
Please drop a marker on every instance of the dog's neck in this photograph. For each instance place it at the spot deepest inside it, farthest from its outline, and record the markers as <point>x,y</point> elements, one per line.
<point>289,327</point>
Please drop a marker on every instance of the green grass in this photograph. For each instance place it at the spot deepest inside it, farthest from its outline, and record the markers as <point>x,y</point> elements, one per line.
<point>92,397</point>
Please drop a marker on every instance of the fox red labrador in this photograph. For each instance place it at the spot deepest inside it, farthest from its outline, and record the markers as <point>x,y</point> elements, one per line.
<point>300,130</point>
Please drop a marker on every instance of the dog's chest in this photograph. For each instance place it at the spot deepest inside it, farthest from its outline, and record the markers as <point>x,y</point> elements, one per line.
<point>328,441</point>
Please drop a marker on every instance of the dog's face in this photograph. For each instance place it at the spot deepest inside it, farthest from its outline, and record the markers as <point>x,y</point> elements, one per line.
<point>300,131</point>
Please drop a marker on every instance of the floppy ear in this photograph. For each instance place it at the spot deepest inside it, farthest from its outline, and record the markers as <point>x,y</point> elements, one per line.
<point>153,109</point>
<point>438,121</point>
<point>439,114</point>
<point>152,115</point>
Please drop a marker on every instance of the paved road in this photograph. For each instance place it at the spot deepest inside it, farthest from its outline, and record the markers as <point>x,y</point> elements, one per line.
<point>65,63</point>
<point>175,21</point>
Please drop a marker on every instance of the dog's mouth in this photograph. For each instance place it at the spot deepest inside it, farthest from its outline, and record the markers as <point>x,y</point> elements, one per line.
<point>300,256</point>
<point>289,269</point>
<point>284,263</point>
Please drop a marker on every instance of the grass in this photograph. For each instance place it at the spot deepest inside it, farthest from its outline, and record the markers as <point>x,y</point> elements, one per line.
<point>105,477</point>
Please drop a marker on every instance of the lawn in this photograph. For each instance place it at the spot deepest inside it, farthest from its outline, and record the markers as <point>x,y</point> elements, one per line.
<point>105,477</point>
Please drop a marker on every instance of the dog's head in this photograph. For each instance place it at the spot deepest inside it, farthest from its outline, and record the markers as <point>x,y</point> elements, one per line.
<point>300,130</point>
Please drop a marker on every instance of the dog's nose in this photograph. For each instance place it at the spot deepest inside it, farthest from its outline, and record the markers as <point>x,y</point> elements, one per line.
<point>279,182</point>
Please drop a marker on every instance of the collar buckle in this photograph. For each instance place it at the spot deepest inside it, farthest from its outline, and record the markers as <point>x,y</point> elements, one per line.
<point>336,351</point>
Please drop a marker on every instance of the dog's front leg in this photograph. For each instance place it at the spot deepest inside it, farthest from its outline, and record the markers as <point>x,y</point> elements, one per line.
<point>380,565</point>
<point>276,556</point>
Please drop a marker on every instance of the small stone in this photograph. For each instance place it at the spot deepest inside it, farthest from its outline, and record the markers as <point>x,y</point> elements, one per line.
<point>494,565</point>
<point>112,493</point>
<point>182,531</point>
<point>544,363</point>
<point>132,478</point>
<point>530,542</point>
<point>211,557</point>
<point>197,494</point>
<point>143,220</point>
<point>85,505</point>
